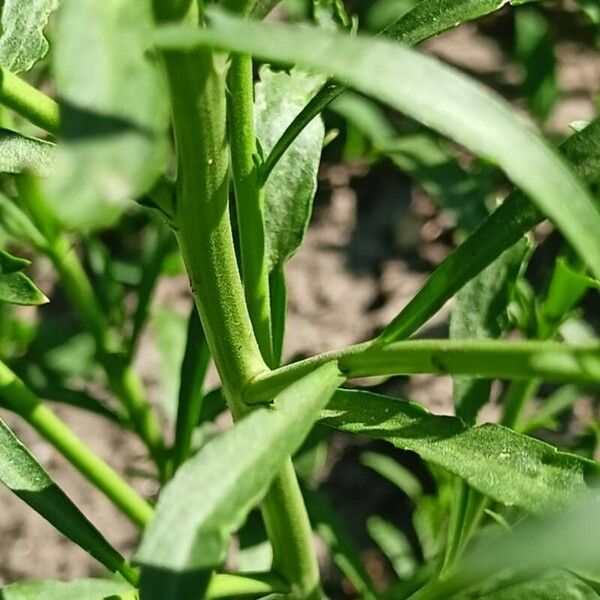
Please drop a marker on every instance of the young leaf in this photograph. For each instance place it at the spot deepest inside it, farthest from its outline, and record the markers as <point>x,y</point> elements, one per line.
<point>16,287</point>
<point>429,92</point>
<point>22,42</point>
<point>223,482</point>
<point>291,186</point>
<point>479,313</point>
<point>20,153</point>
<point>113,110</point>
<point>80,589</point>
<point>22,474</point>
<point>262,8</point>
<point>503,228</point>
<point>509,467</point>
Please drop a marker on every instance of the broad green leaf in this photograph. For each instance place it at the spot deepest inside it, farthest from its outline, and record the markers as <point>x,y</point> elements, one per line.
<point>22,42</point>
<point>20,153</point>
<point>427,91</point>
<point>503,228</point>
<point>23,475</point>
<point>80,589</point>
<point>112,142</point>
<point>223,482</point>
<point>430,17</point>
<point>479,312</point>
<point>15,286</point>
<point>509,467</point>
<point>291,186</point>
<point>558,584</point>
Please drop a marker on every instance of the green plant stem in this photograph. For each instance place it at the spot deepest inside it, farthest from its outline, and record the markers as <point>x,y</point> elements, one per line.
<point>225,585</point>
<point>122,379</point>
<point>290,533</point>
<point>17,397</point>
<point>197,86</point>
<point>29,102</point>
<point>518,395</point>
<point>250,200</point>
<point>553,361</point>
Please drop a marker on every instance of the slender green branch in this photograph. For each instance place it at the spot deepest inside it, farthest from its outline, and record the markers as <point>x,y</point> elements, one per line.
<point>29,102</point>
<point>552,361</point>
<point>249,196</point>
<point>225,585</point>
<point>15,395</point>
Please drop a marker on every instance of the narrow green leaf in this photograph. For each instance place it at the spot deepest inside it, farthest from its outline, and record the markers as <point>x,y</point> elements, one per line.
<point>191,381</point>
<point>291,186</point>
<point>80,589</point>
<point>509,467</point>
<point>17,224</point>
<point>394,472</point>
<point>113,110</point>
<point>558,584</point>
<point>429,92</point>
<point>431,17</point>
<point>479,312</point>
<point>503,228</point>
<point>16,287</point>
<point>22,474</point>
<point>394,544</point>
<point>22,42</point>
<point>223,482</point>
<point>20,153</point>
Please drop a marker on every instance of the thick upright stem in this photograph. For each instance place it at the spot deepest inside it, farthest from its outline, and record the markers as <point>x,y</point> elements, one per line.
<point>197,85</point>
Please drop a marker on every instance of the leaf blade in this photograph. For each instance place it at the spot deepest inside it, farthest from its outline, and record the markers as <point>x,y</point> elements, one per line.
<point>225,479</point>
<point>507,466</point>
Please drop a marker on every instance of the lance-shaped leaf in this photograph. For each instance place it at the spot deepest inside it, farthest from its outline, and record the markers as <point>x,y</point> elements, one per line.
<point>22,42</point>
<point>429,92</point>
<point>479,312</point>
<point>430,17</point>
<point>223,482</point>
<point>19,153</point>
<point>15,286</point>
<point>291,186</point>
<point>79,589</point>
<point>23,475</point>
<point>113,110</point>
<point>509,467</point>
